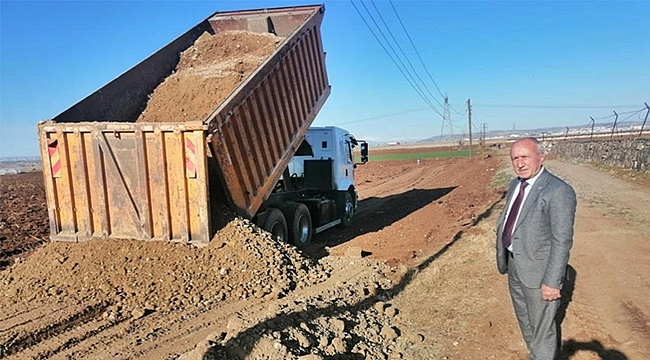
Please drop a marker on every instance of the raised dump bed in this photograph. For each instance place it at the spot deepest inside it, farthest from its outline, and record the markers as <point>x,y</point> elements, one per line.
<point>217,113</point>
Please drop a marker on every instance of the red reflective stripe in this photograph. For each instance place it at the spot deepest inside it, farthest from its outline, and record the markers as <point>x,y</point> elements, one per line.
<point>190,146</point>
<point>56,168</point>
<point>191,168</point>
<point>52,147</point>
<point>190,158</point>
<point>55,159</point>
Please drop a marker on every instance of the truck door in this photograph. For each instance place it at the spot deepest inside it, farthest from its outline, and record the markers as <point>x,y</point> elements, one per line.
<point>345,173</point>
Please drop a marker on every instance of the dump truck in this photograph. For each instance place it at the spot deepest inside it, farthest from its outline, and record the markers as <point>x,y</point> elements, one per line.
<point>113,170</point>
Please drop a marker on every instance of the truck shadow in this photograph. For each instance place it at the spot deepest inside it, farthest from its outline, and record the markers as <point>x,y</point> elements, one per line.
<point>375,213</point>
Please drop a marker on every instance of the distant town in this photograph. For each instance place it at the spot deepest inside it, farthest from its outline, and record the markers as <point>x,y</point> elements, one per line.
<point>17,165</point>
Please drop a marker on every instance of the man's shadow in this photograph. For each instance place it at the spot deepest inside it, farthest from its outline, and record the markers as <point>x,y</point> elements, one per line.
<point>565,299</point>
<point>571,346</point>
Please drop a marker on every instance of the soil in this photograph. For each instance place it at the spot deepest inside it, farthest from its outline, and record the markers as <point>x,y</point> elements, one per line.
<point>24,222</point>
<point>207,72</point>
<point>414,277</point>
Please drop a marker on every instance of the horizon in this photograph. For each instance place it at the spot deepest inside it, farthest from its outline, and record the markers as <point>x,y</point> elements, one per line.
<point>449,138</point>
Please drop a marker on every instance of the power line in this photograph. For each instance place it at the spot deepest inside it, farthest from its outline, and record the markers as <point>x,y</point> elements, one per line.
<point>456,111</point>
<point>391,46</point>
<point>476,117</point>
<point>415,48</point>
<point>424,66</point>
<point>391,57</point>
<point>381,116</point>
<point>524,106</point>
<point>404,54</point>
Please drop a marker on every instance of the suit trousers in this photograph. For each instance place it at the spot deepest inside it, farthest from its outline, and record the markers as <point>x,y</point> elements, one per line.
<point>536,316</point>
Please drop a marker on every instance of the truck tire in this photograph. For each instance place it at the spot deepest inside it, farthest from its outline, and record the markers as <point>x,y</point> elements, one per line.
<point>347,212</point>
<point>299,224</point>
<point>276,224</point>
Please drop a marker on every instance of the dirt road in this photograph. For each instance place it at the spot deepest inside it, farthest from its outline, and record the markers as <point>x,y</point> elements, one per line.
<point>610,307</point>
<point>414,278</point>
<point>464,304</point>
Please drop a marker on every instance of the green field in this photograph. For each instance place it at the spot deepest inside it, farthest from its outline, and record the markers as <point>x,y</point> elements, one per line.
<point>419,155</point>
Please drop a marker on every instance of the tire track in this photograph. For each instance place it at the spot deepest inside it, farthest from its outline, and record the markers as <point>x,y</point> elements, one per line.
<point>25,342</point>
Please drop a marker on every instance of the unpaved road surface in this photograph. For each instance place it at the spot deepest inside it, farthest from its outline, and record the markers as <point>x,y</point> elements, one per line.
<point>413,278</point>
<point>610,308</point>
<point>465,307</point>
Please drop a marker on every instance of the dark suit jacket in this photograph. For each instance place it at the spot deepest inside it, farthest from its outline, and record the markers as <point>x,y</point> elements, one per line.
<point>543,234</point>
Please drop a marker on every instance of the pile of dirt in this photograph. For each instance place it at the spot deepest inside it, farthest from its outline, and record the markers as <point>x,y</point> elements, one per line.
<point>206,74</point>
<point>349,316</point>
<point>128,279</point>
<point>241,262</point>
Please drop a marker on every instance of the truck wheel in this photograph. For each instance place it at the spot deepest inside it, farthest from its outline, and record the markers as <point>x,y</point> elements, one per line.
<point>299,223</point>
<point>276,224</point>
<point>348,211</point>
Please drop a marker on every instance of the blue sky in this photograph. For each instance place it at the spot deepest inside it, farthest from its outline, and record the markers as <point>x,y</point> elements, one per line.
<point>523,64</point>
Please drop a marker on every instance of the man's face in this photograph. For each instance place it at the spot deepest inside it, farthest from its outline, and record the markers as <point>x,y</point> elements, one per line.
<point>526,161</point>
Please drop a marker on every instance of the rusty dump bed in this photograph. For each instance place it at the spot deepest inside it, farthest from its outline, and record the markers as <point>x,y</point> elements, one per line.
<point>107,176</point>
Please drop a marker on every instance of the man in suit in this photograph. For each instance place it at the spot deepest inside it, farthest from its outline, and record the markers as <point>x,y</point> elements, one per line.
<point>534,236</point>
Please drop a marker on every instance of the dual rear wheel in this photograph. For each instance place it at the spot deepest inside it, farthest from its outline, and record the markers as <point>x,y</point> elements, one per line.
<point>291,223</point>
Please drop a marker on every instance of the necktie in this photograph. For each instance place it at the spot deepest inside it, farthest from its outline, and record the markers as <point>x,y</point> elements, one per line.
<point>512,216</point>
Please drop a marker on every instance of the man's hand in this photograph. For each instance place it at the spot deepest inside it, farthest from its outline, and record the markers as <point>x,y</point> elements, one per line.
<point>549,293</point>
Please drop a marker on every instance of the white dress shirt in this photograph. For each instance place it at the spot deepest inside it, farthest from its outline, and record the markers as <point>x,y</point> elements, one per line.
<point>530,182</point>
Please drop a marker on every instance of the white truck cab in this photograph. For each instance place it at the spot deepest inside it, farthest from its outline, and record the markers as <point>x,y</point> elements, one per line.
<point>329,143</point>
<point>317,190</point>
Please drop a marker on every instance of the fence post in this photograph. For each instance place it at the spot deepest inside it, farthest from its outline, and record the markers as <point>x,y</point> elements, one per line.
<point>566,134</point>
<point>614,127</point>
<point>646,118</point>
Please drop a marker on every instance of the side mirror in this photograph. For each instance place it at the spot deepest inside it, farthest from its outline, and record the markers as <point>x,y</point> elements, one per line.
<point>364,152</point>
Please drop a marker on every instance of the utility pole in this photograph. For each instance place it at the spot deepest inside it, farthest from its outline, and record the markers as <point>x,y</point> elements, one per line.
<point>483,135</point>
<point>469,117</point>
<point>591,137</point>
<point>614,127</point>
<point>442,128</point>
<point>447,115</point>
<point>646,117</point>
<point>446,118</point>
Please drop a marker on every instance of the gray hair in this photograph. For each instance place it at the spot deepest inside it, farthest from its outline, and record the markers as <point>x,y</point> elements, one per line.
<point>538,144</point>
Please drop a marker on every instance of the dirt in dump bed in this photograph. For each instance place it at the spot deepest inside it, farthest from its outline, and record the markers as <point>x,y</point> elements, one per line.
<point>206,74</point>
